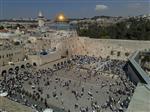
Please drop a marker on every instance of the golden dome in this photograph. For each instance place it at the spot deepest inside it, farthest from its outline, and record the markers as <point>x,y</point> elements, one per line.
<point>61,18</point>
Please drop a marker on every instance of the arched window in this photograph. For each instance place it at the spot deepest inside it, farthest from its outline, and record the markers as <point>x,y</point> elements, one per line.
<point>34,64</point>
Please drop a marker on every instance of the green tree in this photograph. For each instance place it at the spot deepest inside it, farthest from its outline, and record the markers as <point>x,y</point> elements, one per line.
<point>1,27</point>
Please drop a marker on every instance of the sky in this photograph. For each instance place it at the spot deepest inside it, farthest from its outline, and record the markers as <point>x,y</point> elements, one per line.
<point>72,8</point>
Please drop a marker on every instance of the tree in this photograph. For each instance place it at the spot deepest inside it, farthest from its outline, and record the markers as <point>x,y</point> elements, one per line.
<point>1,27</point>
<point>132,28</point>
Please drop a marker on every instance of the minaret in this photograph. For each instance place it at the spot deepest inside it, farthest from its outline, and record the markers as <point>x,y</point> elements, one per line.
<point>41,19</point>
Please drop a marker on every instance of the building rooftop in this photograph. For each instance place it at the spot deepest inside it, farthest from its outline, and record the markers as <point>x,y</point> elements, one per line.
<point>141,99</point>
<point>134,59</point>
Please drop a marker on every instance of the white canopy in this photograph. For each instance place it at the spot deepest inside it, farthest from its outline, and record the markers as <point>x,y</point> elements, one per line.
<point>48,110</point>
<point>3,94</point>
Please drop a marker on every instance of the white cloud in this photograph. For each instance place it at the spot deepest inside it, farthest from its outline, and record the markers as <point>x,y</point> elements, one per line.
<point>101,7</point>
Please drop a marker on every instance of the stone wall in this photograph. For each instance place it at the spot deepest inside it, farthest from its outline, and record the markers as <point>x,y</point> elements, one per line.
<point>17,64</point>
<point>14,54</point>
<point>116,49</point>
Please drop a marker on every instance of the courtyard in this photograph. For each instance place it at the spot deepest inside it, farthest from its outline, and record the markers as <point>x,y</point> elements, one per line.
<point>82,84</point>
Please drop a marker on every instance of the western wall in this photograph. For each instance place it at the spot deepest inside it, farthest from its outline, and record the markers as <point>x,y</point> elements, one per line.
<point>115,49</point>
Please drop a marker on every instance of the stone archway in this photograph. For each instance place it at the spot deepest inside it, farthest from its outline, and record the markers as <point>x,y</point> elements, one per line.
<point>34,64</point>
<point>17,68</point>
<point>58,65</point>
<point>10,70</point>
<point>62,63</point>
<point>4,72</point>
<point>54,66</point>
<point>22,66</point>
<point>28,65</point>
<point>65,63</point>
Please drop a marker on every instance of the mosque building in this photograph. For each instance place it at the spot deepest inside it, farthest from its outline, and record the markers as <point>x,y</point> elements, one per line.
<point>61,22</point>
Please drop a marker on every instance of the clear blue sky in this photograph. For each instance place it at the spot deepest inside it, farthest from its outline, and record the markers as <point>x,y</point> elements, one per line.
<point>72,8</point>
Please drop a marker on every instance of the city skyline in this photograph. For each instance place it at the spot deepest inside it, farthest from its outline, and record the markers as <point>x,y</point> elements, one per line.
<point>74,55</point>
<point>71,8</point>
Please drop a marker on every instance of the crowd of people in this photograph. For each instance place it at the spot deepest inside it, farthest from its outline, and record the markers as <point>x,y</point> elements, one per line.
<point>80,84</point>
